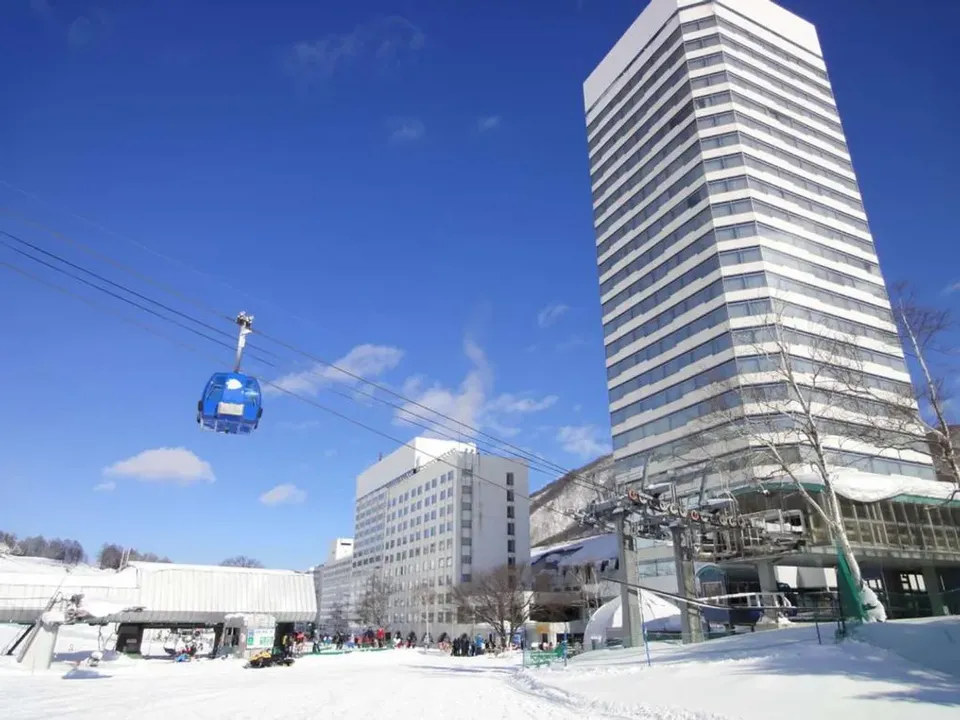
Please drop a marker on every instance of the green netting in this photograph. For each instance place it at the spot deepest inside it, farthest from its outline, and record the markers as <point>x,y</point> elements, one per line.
<point>851,607</point>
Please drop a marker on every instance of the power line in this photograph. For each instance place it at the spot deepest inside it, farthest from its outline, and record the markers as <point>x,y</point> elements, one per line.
<point>309,401</point>
<point>538,463</point>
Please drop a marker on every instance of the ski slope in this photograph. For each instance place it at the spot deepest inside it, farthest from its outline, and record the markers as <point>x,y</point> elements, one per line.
<point>781,674</point>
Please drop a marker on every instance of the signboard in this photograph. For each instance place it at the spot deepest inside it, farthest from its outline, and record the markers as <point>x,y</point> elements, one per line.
<point>260,638</point>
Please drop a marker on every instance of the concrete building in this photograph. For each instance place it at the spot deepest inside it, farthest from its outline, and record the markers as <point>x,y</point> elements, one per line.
<point>335,594</point>
<point>723,193</point>
<point>431,515</point>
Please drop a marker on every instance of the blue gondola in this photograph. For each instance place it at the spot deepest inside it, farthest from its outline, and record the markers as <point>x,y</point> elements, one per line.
<point>231,401</point>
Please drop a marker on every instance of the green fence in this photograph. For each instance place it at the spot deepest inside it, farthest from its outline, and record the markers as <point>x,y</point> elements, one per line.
<point>538,658</point>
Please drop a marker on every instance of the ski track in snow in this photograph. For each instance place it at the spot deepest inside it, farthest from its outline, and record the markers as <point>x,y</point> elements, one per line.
<point>394,684</point>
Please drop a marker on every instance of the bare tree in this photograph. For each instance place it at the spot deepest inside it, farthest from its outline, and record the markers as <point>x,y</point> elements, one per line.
<point>374,605</point>
<point>800,407</point>
<point>425,597</point>
<point>924,330</point>
<point>66,551</point>
<point>241,561</point>
<point>500,598</point>
<point>338,618</point>
<point>585,580</point>
<point>111,555</point>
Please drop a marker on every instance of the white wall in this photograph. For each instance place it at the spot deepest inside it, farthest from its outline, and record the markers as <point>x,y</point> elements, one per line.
<point>417,452</point>
<point>336,587</point>
<point>632,48</point>
<point>339,549</point>
<point>489,513</point>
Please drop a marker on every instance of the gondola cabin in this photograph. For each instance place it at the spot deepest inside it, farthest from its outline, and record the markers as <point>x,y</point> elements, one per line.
<point>231,404</point>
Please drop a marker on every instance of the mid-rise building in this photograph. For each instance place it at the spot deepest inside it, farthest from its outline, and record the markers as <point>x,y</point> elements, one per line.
<point>433,514</point>
<point>335,606</point>
<point>723,196</point>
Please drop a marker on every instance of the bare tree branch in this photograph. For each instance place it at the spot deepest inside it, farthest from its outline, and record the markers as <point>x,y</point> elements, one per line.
<point>374,605</point>
<point>924,330</point>
<point>499,598</point>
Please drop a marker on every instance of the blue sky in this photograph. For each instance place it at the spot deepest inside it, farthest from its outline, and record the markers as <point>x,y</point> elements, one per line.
<point>402,186</point>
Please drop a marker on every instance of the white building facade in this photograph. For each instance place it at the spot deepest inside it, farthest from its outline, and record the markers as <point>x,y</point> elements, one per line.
<point>336,585</point>
<point>723,191</point>
<point>431,515</point>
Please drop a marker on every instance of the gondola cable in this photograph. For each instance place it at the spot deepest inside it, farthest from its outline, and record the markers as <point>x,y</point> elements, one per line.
<point>537,463</point>
<point>521,452</point>
<point>302,398</point>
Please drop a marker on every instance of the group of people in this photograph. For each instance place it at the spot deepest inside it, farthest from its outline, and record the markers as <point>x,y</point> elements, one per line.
<point>378,638</point>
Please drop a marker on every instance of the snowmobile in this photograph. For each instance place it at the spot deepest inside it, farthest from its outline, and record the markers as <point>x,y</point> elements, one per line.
<point>269,658</point>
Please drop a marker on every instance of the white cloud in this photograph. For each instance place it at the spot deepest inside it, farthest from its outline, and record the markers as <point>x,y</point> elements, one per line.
<point>86,28</point>
<point>515,404</point>
<point>178,465</point>
<point>584,441</point>
<point>570,343</point>
<point>366,361</point>
<point>330,452</point>
<point>385,41</point>
<point>472,403</point>
<point>403,130</point>
<point>285,494</point>
<point>550,314</point>
<point>952,288</point>
<point>106,486</point>
<point>41,6</point>
<point>490,122</point>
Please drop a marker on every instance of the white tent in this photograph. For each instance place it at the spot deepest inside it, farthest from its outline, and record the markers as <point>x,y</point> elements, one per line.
<point>659,615</point>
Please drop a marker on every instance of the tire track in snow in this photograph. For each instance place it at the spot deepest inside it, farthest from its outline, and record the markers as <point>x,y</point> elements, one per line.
<point>525,682</point>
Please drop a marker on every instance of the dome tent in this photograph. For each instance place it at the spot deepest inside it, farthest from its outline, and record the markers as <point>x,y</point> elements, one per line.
<point>659,615</point>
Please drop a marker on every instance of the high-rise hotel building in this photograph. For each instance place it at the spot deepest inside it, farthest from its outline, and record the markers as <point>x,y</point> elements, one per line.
<point>723,192</point>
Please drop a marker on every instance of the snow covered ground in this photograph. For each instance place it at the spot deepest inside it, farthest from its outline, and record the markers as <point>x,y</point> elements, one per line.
<point>779,674</point>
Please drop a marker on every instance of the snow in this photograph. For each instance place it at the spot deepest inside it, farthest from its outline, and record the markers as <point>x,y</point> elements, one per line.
<point>585,551</point>
<point>783,674</point>
<point>869,487</point>
<point>578,552</point>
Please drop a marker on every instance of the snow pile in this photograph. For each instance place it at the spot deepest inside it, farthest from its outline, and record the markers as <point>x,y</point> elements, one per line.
<point>784,674</point>
<point>867,487</point>
<point>932,642</point>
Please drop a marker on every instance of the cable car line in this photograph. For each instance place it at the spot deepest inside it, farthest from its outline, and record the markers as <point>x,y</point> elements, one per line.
<point>133,303</point>
<point>537,463</point>
<point>348,396</point>
<point>302,398</point>
<point>63,260</point>
<point>335,391</point>
<point>142,246</point>
<point>521,452</point>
